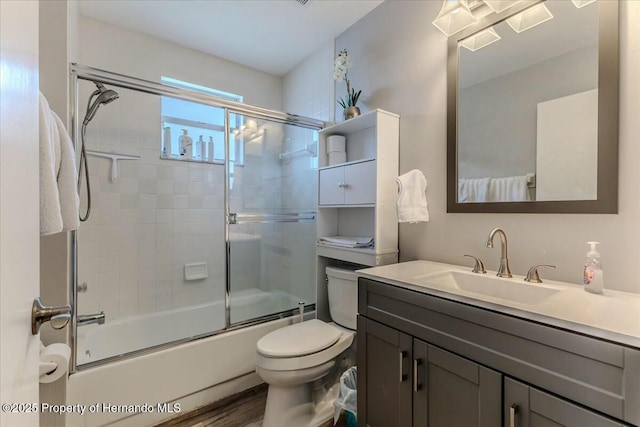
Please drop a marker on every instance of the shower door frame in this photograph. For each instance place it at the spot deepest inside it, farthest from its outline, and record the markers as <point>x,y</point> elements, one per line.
<point>81,72</point>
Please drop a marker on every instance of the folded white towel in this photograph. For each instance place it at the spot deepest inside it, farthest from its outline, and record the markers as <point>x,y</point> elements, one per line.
<point>412,200</point>
<point>347,242</point>
<point>58,179</point>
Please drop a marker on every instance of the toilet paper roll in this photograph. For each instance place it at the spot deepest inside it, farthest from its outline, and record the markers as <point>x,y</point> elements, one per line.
<point>336,143</point>
<point>335,158</point>
<point>57,355</point>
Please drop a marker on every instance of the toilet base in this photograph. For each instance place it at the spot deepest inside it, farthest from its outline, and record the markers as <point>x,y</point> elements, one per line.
<point>294,406</point>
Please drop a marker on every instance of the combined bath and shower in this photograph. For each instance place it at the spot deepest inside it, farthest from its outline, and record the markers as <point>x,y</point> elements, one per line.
<point>100,96</point>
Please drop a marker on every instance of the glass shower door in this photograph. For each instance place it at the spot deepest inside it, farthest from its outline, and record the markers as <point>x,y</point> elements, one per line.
<point>272,187</point>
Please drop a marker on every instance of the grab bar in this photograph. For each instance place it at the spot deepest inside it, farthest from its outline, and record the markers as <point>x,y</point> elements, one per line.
<point>259,218</point>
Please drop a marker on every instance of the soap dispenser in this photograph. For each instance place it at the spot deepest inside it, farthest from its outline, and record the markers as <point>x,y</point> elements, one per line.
<point>593,276</point>
<point>186,143</point>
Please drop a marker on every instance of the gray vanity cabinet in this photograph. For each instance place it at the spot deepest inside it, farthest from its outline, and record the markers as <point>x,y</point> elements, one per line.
<point>409,382</point>
<point>450,391</point>
<point>526,406</point>
<point>386,372</point>
<point>431,361</point>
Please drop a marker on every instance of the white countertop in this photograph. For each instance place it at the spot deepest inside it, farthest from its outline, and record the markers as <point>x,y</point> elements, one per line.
<point>612,316</point>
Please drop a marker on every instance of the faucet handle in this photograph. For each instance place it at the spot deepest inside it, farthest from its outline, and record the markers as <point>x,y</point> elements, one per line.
<point>479,266</point>
<point>532,274</point>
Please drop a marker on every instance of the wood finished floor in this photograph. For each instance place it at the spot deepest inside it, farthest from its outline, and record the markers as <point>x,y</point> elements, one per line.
<point>244,409</point>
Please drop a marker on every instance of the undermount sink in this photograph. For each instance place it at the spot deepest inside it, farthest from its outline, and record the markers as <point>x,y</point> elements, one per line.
<point>507,289</point>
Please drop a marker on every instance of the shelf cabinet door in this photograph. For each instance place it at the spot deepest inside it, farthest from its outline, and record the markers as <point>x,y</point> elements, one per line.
<point>331,189</point>
<point>349,185</point>
<point>360,184</point>
<point>450,391</point>
<point>526,406</point>
<point>384,376</point>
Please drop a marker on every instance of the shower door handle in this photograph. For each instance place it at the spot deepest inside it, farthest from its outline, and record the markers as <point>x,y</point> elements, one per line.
<point>268,218</point>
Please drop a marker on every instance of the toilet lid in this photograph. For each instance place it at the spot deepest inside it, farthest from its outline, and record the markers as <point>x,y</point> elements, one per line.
<point>299,339</point>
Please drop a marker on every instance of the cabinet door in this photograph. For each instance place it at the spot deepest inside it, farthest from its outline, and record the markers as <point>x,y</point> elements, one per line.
<point>450,391</point>
<point>360,184</point>
<point>331,186</point>
<point>526,406</point>
<point>384,376</point>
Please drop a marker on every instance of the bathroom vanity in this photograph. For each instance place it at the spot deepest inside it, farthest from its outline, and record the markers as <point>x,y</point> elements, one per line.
<point>439,345</point>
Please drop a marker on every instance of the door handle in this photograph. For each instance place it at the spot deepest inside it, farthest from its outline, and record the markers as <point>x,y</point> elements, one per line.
<point>401,358</point>
<point>58,316</point>
<point>416,385</point>
<point>513,410</point>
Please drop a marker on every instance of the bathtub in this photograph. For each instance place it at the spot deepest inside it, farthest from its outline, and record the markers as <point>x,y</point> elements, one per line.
<point>98,342</point>
<point>192,374</point>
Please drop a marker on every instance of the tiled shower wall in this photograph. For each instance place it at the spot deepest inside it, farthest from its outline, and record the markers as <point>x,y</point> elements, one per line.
<point>158,216</point>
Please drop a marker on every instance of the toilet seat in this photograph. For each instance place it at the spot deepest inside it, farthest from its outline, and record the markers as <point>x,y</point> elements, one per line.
<point>292,363</point>
<point>300,339</point>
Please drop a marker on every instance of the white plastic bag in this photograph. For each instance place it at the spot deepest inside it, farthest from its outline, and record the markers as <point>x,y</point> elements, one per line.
<point>347,398</point>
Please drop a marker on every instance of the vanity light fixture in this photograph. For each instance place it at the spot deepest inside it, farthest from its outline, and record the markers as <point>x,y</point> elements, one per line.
<point>582,3</point>
<point>501,5</point>
<point>481,39</point>
<point>529,18</point>
<point>454,16</point>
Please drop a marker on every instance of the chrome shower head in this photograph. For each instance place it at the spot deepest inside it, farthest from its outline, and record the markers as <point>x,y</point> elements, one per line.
<point>104,96</point>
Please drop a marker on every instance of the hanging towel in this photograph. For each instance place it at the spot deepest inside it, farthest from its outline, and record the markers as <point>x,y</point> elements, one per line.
<point>412,200</point>
<point>473,190</point>
<point>509,189</point>
<point>59,199</point>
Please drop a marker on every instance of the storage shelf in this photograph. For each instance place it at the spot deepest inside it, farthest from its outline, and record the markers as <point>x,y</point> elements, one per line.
<point>363,121</point>
<point>364,256</point>
<point>371,205</point>
<point>371,159</point>
<point>178,159</point>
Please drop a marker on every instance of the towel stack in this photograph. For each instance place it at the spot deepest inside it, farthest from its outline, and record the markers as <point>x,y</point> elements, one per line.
<point>336,149</point>
<point>59,201</point>
<point>347,242</point>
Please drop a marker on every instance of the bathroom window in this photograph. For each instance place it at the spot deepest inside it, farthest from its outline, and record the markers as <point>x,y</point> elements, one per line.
<point>198,120</point>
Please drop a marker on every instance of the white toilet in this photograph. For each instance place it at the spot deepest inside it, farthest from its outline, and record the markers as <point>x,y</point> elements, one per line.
<point>293,360</point>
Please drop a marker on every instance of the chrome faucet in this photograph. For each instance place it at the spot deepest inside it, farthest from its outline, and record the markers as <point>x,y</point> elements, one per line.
<point>88,319</point>
<point>503,270</point>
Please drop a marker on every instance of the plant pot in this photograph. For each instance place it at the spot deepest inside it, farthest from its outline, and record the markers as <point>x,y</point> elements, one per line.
<point>351,112</point>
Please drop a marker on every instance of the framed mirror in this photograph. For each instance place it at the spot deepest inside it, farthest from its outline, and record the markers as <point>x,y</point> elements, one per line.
<point>532,120</point>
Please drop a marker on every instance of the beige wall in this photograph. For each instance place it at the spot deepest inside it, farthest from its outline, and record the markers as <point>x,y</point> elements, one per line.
<point>402,68</point>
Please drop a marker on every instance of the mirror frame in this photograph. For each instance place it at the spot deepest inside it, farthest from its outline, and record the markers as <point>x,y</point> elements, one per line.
<point>608,105</point>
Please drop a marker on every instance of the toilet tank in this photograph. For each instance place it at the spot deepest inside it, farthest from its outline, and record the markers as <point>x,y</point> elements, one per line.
<point>342,287</point>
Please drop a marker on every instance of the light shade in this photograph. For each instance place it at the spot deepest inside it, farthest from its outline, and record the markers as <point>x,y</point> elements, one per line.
<point>500,5</point>
<point>529,18</point>
<point>453,17</point>
<point>582,3</point>
<point>481,39</point>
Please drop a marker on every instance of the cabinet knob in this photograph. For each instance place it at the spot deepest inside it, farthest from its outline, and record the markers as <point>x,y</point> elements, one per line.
<point>343,185</point>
